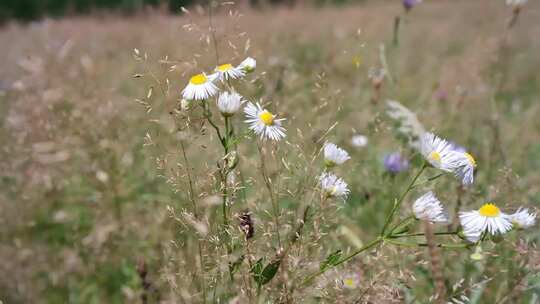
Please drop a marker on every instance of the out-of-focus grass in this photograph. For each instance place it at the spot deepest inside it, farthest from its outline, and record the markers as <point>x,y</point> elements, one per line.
<point>81,199</point>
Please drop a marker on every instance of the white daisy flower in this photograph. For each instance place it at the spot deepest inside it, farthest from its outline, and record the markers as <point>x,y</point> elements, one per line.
<point>359,140</point>
<point>229,103</point>
<point>523,219</point>
<point>429,208</point>
<point>333,186</point>
<point>248,65</point>
<point>350,281</point>
<point>200,87</point>
<point>489,218</point>
<point>436,151</point>
<point>463,165</point>
<point>472,235</point>
<point>263,122</point>
<point>228,71</point>
<point>334,155</point>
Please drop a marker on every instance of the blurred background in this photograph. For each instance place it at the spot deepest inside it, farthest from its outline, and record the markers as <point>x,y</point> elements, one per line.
<point>88,210</point>
<point>27,10</point>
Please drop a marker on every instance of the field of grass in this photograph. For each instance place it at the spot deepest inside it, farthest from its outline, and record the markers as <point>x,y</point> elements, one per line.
<point>111,191</point>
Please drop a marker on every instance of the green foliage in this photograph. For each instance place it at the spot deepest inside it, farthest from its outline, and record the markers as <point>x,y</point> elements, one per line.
<point>33,9</point>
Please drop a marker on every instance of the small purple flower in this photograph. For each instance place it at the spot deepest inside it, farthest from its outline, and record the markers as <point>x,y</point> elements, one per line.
<point>395,163</point>
<point>441,94</point>
<point>408,4</point>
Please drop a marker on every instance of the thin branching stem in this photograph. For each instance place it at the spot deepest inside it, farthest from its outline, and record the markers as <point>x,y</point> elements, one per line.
<point>397,204</point>
<point>352,255</point>
<point>396,236</point>
<point>196,214</point>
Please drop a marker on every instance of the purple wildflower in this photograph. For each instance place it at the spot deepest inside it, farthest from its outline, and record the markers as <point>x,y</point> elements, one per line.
<point>408,4</point>
<point>395,163</point>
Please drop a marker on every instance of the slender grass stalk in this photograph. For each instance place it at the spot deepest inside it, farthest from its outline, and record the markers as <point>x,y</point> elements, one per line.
<point>396,236</point>
<point>212,30</point>
<point>268,185</point>
<point>397,23</point>
<point>352,255</point>
<point>196,214</point>
<point>397,204</point>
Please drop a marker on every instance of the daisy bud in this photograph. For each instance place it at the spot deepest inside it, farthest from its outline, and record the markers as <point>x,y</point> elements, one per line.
<point>359,140</point>
<point>333,186</point>
<point>334,155</point>
<point>523,219</point>
<point>229,103</point>
<point>248,65</point>
<point>429,208</point>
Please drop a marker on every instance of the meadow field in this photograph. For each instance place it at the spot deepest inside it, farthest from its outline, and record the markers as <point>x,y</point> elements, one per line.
<point>115,190</point>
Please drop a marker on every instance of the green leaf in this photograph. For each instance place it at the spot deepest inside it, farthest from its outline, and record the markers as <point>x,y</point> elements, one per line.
<point>256,270</point>
<point>331,260</point>
<point>270,271</point>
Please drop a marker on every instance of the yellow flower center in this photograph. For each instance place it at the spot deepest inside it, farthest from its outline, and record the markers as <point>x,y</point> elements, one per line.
<point>471,159</point>
<point>435,156</point>
<point>224,67</point>
<point>266,117</point>
<point>198,79</point>
<point>348,282</point>
<point>489,210</point>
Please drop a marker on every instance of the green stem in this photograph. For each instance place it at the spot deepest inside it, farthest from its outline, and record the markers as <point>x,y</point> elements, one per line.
<point>397,203</point>
<point>409,244</point>
<point>401,225</point>
<point>429,179</point>
<point>397,22</point>
<point>352,255</point>
<point>421,234</point>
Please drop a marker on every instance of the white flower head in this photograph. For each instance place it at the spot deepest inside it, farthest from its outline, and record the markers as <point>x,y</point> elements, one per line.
<point>429,208</point>
<point>200,87</point>
<point>436,151</point>
<point>248,65</point>
<point>333,186</point>
<point>359,140</point>
<point>488,219</point>
<point>228,71</point>
<point>472,235</point>
<point>523,219</point>
<point>462,165</point>
<point>334,155</point>
<point>350,281</point>
<point>229,103</point>
<point>263,122</point>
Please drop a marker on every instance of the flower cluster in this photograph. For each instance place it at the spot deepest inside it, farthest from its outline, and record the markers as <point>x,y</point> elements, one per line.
<point>331,185</point>
<point>476,224</point>
<point>202,87</point>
